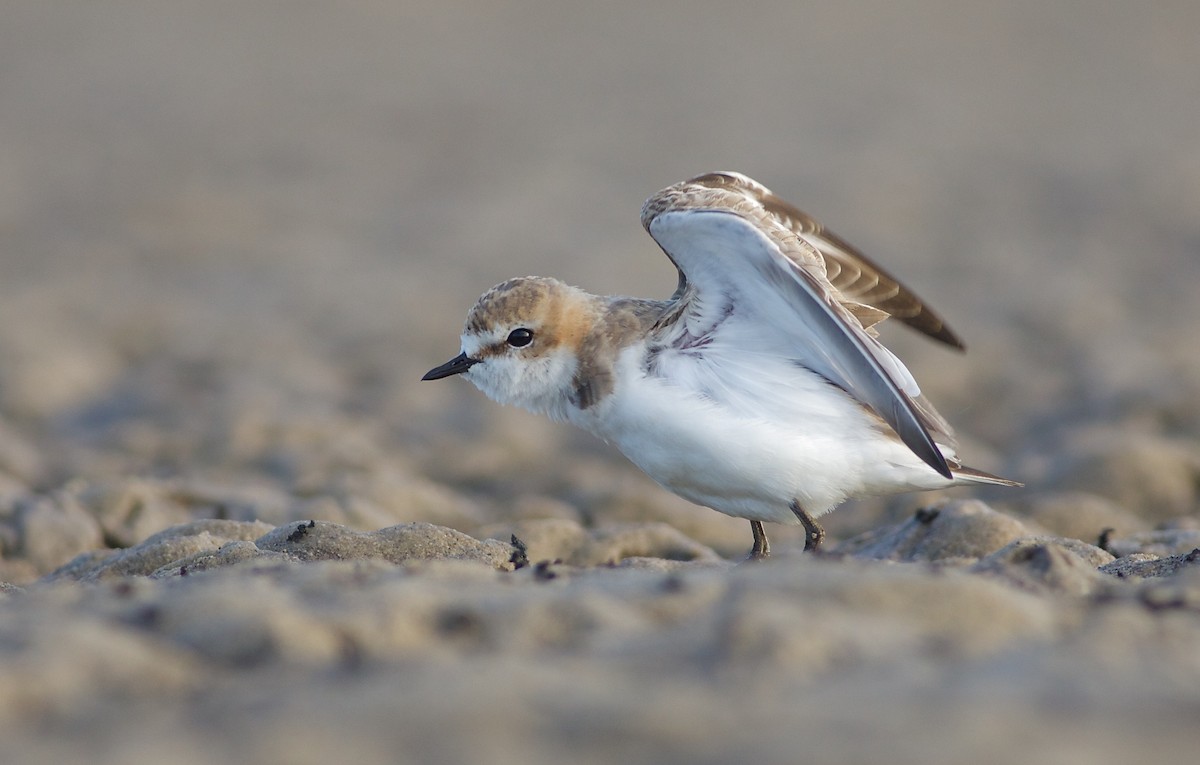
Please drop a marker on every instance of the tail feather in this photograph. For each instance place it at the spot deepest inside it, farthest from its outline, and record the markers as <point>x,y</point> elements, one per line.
<point>971,475</point>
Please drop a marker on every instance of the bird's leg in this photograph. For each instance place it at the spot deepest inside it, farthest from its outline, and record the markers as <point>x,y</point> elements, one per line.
<point>762,548</point>
<point>813,533</point>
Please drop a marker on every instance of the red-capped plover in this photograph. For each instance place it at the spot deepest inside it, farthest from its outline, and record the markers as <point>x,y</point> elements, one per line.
<point>759,389</point>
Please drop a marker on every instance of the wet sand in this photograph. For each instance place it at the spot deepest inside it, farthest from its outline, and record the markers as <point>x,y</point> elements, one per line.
<point>235,527</point>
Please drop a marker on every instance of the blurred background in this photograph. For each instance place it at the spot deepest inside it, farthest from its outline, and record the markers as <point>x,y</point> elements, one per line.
<point>233,235</point>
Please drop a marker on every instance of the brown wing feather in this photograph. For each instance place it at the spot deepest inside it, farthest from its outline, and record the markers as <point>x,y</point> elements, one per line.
<point>854,275</point>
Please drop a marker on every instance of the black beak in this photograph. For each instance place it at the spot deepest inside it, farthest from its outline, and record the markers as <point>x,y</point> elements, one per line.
<point>455,366</point>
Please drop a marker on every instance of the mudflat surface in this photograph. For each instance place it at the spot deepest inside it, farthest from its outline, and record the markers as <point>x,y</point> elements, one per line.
<point>235,527</point>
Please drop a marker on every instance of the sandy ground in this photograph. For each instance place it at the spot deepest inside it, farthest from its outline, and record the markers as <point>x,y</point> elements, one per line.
<point>235,527</point>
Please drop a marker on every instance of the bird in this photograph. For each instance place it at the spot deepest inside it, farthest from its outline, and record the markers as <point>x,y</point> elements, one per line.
<point>759,389</point>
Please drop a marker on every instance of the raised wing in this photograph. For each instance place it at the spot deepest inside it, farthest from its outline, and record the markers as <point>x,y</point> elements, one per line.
<point>734,254</point>
<point>854,277</point>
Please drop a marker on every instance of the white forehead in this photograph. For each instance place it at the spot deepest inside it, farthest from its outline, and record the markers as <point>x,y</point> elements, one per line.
<point>474,342</point>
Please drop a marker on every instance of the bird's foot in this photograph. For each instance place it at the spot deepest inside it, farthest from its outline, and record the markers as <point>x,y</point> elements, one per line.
<point>762,547</point>
<point>814,535</point>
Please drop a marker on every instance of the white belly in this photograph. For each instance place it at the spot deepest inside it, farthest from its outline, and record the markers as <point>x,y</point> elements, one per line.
<point>813,445</point>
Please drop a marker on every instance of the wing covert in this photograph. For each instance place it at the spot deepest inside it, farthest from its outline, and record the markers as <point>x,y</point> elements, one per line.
<point>855,276</point>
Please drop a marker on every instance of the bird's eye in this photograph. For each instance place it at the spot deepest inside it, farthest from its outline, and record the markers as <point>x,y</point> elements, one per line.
<point>520,337</point>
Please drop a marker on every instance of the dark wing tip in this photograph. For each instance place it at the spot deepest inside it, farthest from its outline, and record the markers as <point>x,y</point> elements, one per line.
<point>907,424</point>
<point>892,295</point>
<point>931,325</point>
